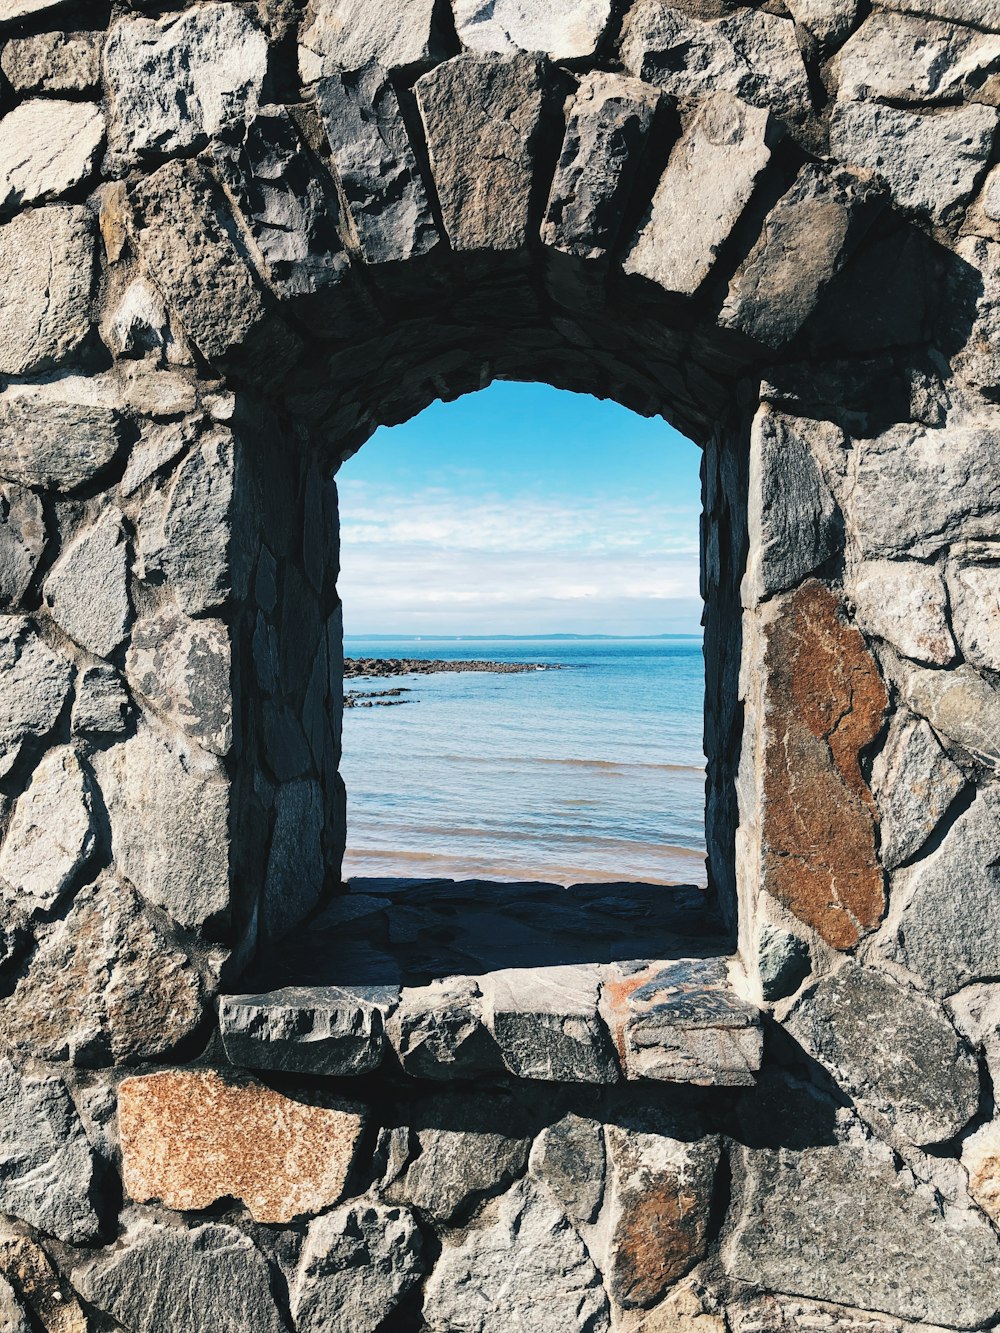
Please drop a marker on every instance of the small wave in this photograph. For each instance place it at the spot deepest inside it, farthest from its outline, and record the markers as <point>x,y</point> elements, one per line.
<point>599,764</point>
<point>391,863</point>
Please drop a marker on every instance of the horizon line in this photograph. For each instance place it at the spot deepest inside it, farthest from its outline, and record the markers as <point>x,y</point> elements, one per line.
<point>425,634</point>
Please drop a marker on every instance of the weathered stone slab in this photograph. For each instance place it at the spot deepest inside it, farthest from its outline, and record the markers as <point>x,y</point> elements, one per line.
<point>908,58</point>
<point>158,445</point>
<point>891,1050</point>
<point>750,53</point>
<point>296,869</point>
<point>975,611</point>
<point>42,1290</point>
<point>829,21</point>
<point>905,603</point>
<point>46,148</point>
<point>13,10</point>
<point>57,445</point>
<point>191,1137</point>
<point>47,255</point>
<point>50,836</point>
<point>482,118</point>
<point>660,1197</point>
<point>182,667</point>
<point>87,589</point>
<point>775,1313</point>
<point>308,1029</point>
<point>182,235</point>
<point>53,62</point>
<point>825,706</point>
<point>680,1022</point>
<point>178,80</point>
<point>546,1023</point>
<point>606,132</point>
<point>283,205</point>
<point>34,685</point>
<point>489,1281</point>
<point>947,933</point>
<point>932,163</point>
<point>169,812</point>
<point>987,15</point>
<point>458,1150</point>
<point>563,29</point>
<point>165,1279</point>
<point>960,706</point>
<point>914,782</point>
<point>13,1316</point>
<point>357,1264</point>
<point>439,1032</point>
<point>569,1159</point>
<point>106,985</point>
<point>22,541</point>
<point>48,1165</point>
<point>382,187</point>
<point>708,182</point>
<point>807,238</point>
<point>861,1228</point>
<point>346,34</point>
<point>101,704</point>
<point>792,516</point>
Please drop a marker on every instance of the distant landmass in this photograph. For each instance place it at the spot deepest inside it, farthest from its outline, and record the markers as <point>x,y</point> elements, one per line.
<point>508,638</point>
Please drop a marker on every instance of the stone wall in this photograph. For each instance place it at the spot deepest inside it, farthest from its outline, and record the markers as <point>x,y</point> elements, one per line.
<point>235,238</point>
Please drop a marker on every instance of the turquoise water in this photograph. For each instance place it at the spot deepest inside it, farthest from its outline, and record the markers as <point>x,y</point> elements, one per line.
<point>592,772</point>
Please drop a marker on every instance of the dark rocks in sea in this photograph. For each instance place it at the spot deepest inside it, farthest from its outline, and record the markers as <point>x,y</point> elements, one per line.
<point>417,666</point>
<point>376,698</point>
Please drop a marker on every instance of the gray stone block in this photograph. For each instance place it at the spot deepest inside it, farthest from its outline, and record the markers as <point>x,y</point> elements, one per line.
<point>438,1031</point>
<point>346,34</point>
<point>182,667</point>
<point>34,685</point>
<point>22,541</point>
<point>545,1021</point>
<point>47,148</point>
<point>308,1029</point>
<point>51,834</point>
<point>102,704</point>
<point>58,445</point>
<point>48,258</point>
<point>569,1159</point>
<point>53,62</point>
<point>914,782</point>
<point>563,29</point>
<point>87,589</point>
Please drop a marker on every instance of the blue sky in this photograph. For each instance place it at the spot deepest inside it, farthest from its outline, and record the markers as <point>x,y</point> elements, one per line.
<point>522,509</point>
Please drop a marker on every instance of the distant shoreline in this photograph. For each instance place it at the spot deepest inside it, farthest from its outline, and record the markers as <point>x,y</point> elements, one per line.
<point>380,668</point>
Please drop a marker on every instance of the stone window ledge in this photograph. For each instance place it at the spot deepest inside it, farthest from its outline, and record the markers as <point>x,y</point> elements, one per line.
<point>453,980</point>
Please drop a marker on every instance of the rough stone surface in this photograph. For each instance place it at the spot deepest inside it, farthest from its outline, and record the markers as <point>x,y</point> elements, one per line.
<point>53,62</point>
<point>708,182</point>
<point>380,180</point>
<point>607,131</point>
<point>946,934</point>
<point>190,1138</point>
<point>829,21</point>
<point>563,29</point>
<point>346,34</point>
<point>975,609</point>
<point>311,1030</point>
<point>58,445</point>
<point>22,541</point>
<point>490,1282</point>
<point>182,667</point>
<point>482,118</point>
<point>169,812</point>
<point>296,870</point>
<point>961,706</point>
<point>48,257</point>
<point>891,1050</point>
<point>782,962</point>
<point>807,238</point>
<point>87,590</point>
<point>35,686</point>
<point>906,58</point>
<point>47,147</point>
<point>102,704</point>
<point>569,1160</point>
<point>438,1031</point>
<point>914,782</point>
<point>47,1166</point>
<point>792,515</point>
<point>357,1263</point>
<point>981,1158</point>
<point>50,836</point>
<point>660,1197</point>
<point>862,1228</point>
<point>680,1022</point>
<point>106,985</point>
<point>932,163</point>
<point>826,704</point>
<point>906,604</point>
<point>13,1317</point>
<point>12,10</point>
<point>165,1279</point>
<point>546,1024</point>
<point>177,80</point>
<point>42,1290</point>
<point>750,53</point>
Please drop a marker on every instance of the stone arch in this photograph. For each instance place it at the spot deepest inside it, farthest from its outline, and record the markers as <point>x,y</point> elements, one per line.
<point>776,229</point>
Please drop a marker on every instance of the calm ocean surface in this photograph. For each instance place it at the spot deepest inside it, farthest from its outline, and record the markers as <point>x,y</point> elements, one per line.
<point>592,772</point>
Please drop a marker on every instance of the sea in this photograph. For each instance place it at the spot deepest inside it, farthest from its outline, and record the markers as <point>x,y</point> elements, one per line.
<point>589,770</point>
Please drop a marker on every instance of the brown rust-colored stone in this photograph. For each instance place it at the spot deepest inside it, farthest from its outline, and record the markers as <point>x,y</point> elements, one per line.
<point>825,705</point>
<point>190,1138</point>
<point>30,1272</point>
